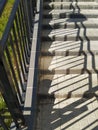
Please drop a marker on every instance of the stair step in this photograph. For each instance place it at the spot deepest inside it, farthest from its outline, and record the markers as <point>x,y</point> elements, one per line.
<point>70,23</point>
<point>70,34</point>
<point>63,48</point>
<point>64,13</point>
<point>69,64</point>
<point>68,114</point>
<point>70,5</point>
<point>67,86</point>
<point>69,0</point>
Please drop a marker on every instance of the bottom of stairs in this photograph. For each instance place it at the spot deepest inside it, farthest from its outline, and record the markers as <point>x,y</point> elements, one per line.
<point>67,114</point>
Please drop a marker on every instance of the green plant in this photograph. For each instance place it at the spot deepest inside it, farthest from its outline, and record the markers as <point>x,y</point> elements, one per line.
<point>5,15</point>
<point>5,113</point>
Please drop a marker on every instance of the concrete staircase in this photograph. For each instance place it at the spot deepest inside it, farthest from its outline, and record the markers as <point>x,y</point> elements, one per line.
<point>68,64</point>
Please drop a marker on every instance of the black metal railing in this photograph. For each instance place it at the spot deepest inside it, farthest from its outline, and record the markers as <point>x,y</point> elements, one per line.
<point>14,58</point>
<point>2,4</point>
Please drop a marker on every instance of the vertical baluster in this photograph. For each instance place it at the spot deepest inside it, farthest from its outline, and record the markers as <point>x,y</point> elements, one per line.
<point>11,67</point>
<point>22,34</point>
<point>20,44</point>
<point>28,28</point>
<point>27,42</point>
<point>26,13</point>
<point>18,52</point>
<point>17,64</point>
<point>29,11</point>
<point>34,7</point>
<point>17,37</point>
<point>9,93</point>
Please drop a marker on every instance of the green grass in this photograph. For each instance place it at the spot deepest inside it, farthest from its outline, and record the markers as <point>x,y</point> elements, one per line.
<point>5,113</point>
<point>5,15</point>
<point>2,103</point>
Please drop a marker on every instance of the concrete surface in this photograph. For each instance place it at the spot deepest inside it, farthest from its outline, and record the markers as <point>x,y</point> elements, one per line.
<point>68,66</point>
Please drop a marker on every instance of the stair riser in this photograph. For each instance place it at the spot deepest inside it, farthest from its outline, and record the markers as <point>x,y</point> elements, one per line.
<point>78,52</point>
<point>69,49</point>
<point>69,64</point>
<point>63,26</point>
<point>46,7</point>
<point>68,71</point>
<point>64,15</point>
<point>67,86</point>
<point>66,95</point>
<point>69,38</point>
<point>68,0</point>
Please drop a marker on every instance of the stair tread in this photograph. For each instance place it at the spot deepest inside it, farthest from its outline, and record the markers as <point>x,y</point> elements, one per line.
<point>75,85</point>
<point>67,31</point>
<point>58,11</point>
<point>71,34</point>
<point>58,47</point>
<point>72,113</point>
<point>71,3</point>
<point>70,21</point>
<point>68,2</point>
<point>70,64</point>
<point>68,79</point>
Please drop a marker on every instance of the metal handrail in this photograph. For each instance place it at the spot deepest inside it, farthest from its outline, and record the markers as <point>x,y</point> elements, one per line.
<point>14,58</point>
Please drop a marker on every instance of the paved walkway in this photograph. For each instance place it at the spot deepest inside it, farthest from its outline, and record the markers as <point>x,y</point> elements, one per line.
<point>68,78</point>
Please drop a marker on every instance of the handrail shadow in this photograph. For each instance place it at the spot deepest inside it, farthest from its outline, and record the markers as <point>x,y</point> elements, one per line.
<point>57,111</point>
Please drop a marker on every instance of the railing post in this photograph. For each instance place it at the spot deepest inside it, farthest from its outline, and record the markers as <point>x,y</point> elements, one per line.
<point>10,97</point>
<point>30,10</point>
<point>28,22</point>
<point>34,6</point>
